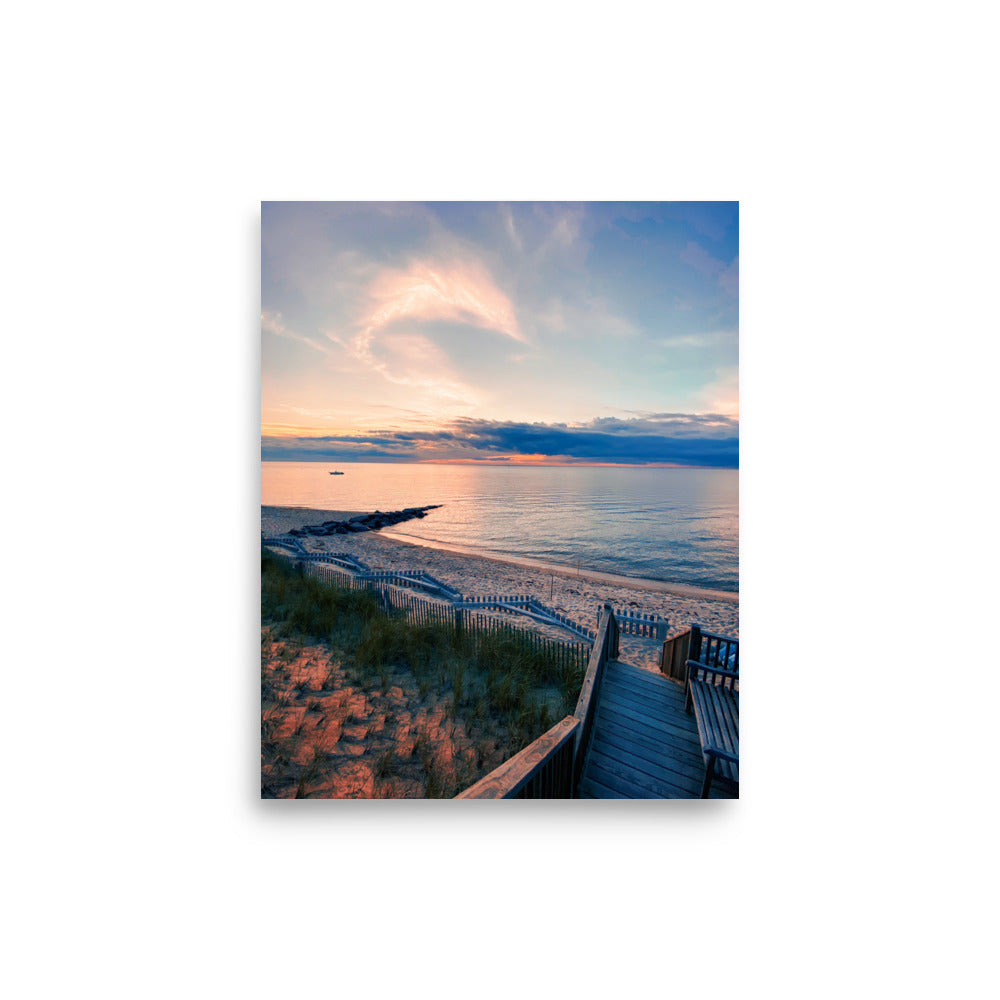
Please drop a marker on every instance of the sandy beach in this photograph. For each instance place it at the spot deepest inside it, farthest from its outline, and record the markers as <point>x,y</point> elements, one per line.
<point>576,594</point>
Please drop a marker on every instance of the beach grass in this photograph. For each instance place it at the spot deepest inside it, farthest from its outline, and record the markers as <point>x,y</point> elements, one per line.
<point>503,689</point>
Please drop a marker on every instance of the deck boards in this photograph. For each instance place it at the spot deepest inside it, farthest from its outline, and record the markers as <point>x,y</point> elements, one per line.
<point>644,745</point>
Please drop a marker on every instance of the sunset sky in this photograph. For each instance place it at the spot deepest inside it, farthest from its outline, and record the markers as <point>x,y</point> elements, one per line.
<point>517,332</point>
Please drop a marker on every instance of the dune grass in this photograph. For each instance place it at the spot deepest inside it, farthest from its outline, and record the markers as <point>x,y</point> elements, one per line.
<point>504,690</point>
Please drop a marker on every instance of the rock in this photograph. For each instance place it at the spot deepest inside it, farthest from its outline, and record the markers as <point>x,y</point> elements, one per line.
<point>363,522</point>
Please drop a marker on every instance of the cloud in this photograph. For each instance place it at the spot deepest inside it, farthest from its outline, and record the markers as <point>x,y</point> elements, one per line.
<point>459,292</point>
<point>412,359</point>
<point>273,323</point>
<point>508,221</point>
<point>706,440</point>
<point>723,393</point>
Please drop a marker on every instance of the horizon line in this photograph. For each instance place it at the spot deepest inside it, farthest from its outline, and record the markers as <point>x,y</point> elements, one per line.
<point>501,463</point>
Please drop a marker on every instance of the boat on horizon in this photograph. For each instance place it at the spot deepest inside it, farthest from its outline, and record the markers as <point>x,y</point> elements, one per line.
<point>336,473</point>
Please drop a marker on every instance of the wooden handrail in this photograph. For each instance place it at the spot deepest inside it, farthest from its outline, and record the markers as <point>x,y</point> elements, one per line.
<point>605,648</point>
<point>542,770</point>
<point>550,768</point>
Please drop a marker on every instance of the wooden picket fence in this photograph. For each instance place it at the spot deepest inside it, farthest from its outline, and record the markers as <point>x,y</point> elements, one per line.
<point>349,571</point>
<point>419,611</point>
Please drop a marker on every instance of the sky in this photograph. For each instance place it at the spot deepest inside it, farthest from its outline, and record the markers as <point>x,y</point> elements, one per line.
<point>594,333</point>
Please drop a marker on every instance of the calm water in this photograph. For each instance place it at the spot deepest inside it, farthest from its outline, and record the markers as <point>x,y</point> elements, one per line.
<point>680,525</point>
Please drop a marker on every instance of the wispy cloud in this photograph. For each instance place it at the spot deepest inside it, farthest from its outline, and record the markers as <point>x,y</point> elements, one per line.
<point>456,291</point>
<point>508,220</point>
<point>273,323</point>
<point>723,394</point>
<point>412,359</point>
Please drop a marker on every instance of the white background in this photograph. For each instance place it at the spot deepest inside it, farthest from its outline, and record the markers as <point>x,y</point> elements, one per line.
<point>139,144</point>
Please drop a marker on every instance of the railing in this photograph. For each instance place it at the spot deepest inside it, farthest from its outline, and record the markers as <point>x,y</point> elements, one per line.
<point>544,769</point>
<point>550,768</point>
<point>523,604</point>
<point>694,643</point>
<point>605,648</point>
<point>637,623</point>
<point>419,611</point>
<point>714,650</point>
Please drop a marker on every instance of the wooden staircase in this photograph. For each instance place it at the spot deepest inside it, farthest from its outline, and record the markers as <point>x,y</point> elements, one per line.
<point>643,744</point>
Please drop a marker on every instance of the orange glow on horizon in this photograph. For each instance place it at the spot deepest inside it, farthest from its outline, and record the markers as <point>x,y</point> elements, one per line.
<point>549,460</point>
<point>296,430</point>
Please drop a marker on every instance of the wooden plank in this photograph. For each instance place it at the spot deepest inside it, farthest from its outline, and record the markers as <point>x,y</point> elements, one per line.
<point>666,756</point>
<point>727,720</point>
<point>637,785</point>
<point>591,789</point>
<point>660,691</point>
<point>642,730</point>
<point>640,692</point>
<point>717,716</point>
<point>663,768</point>
<point>651,733</point>
<point>717,726</point>
<point>633,674</point>
<point>688,750</point>
<point>622,786</point>
<point>675,655</point>
<point>643,704</point>
<point>666,722</point>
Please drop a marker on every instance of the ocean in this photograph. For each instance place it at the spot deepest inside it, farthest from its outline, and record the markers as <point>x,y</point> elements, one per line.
<point>677,525</point>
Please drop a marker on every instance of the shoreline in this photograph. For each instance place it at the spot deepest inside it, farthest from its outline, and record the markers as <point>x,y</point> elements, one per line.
<point>569,572</point>
<point>595,575</point>
<point>577,597</point>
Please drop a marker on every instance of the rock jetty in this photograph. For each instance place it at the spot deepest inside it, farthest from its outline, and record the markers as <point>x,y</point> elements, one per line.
<point>363,522</point>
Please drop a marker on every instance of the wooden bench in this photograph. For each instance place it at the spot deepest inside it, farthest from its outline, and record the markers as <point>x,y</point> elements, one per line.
<point>713,693</point>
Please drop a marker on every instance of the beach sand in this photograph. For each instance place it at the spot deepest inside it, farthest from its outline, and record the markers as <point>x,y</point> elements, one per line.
<point>577,594</point>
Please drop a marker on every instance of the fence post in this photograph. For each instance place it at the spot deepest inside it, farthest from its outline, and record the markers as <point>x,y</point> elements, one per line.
<point>612,636</point>
<point>459,624</point>
<point>694,650</point>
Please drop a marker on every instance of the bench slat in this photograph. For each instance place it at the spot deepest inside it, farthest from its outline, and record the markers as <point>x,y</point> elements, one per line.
<point>724,726</point>
<point>717,715</point>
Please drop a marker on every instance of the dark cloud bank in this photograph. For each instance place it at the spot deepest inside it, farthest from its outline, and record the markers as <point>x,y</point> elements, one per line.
<point>682,439</point>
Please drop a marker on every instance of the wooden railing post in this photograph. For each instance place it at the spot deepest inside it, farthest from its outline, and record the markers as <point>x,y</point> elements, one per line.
<point>695,648</point>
